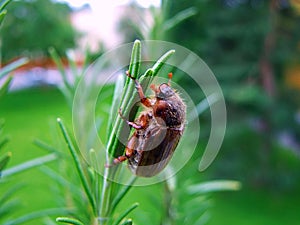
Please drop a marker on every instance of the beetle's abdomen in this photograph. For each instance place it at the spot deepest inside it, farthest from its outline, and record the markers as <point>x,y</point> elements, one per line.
<point>153,159</point>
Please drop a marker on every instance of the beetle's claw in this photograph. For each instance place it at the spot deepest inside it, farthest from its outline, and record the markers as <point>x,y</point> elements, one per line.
<point>121,115</point>
<point>120,112</point>
<point>129,75</point>
<point>106,165</point>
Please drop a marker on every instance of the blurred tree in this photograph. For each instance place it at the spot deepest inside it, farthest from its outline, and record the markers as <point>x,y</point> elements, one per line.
<point>249,45</point>
<point>32,26</point>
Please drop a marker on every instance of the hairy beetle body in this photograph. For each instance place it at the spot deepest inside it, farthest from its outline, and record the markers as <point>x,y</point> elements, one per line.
<point>157,131</point>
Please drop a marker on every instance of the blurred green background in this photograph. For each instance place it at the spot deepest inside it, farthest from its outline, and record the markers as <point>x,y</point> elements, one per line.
<point>253,48</point>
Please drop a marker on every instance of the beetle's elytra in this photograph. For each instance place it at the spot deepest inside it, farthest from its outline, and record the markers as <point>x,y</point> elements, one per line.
<point>158,130</point>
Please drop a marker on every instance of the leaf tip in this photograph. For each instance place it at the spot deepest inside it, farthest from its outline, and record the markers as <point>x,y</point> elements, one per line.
<point>137,41</point>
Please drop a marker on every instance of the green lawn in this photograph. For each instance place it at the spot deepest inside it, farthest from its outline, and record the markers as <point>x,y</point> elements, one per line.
<point>32,114</point>
<point>29,115</point>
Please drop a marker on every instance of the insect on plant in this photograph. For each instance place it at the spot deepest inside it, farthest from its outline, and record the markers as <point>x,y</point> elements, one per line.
<point>158,130</point>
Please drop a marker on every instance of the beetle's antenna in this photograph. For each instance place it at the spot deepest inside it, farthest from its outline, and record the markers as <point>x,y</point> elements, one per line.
<point>170,75</point>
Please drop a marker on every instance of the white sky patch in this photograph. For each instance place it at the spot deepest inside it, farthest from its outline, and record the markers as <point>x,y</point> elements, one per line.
<point>148,3</point>
<point>105,3</point>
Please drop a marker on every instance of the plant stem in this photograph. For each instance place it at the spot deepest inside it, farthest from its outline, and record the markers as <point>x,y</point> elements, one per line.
<point>105,196</point>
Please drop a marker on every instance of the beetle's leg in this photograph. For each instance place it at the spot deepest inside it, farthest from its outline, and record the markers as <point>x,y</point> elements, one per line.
<point>154,88</point>
<point>132,124</point>
<point>144,100</point>
<point>120,159</point>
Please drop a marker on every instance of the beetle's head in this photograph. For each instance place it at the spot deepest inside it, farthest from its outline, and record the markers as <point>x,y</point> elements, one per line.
<point>164,91</point>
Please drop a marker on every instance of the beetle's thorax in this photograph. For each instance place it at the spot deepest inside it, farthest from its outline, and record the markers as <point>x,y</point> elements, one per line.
<point>169,107</point>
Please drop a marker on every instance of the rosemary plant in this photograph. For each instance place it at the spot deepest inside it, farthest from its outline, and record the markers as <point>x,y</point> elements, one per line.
<point>103,196</point>
<point>104,202</point>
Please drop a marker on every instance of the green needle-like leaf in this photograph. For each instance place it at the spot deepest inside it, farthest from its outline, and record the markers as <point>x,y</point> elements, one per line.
<point>59,179</point>
<point>124,214</point>
<point>127,222</point>
<point>114,147</point>
<point>213,186</point>
<point>161,61</point>
<point>3,142</point>
<point>4,4</point>
<point>4,88</point>
<point>78,165</point>
<point>2,15</point>
<point>122,193</point>
<point>46,147</point>
<point>179,17</point>
<point>55,57</point>
<point>3,161</point>
<point>12,66</point>
<point>115,103</point>
<point>8,208</point>
<point>96,177</point>
<point>135,63</point>
<point>6,196</point>
<point>134,69</point>
<point>29,164</point>
<point>69,220</point>
<point>35,215</point>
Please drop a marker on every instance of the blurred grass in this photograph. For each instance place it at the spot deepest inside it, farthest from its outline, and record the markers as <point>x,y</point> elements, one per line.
<point>28,115</point>
<point>31,114</point>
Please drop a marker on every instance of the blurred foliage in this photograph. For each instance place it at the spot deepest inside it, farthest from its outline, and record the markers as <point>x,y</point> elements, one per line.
<point>249,45</point>
<point>3,90</point>
<point>69,84</point>
<point>8,204</point>
<point>32,26</point>
<point>150,24</point>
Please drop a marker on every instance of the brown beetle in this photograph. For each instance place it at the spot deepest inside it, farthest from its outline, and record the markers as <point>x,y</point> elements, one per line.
<point>157,130</point>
